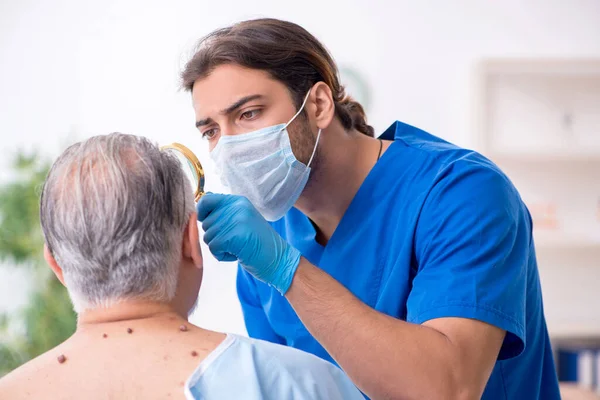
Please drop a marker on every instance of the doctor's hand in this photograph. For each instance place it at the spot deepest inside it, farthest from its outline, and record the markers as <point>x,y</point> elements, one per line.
<point>235,230</point>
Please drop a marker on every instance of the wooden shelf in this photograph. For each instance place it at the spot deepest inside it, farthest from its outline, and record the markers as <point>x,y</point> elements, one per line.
<point>563,241</point>
<point>576,331</point>
<point>546,66</point>
<point>580,157</point>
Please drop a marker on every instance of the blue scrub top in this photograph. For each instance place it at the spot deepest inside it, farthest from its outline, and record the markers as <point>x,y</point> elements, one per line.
<point>434,231</point>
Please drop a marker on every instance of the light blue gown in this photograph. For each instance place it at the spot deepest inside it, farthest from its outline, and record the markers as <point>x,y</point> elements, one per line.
<point>250,369</point>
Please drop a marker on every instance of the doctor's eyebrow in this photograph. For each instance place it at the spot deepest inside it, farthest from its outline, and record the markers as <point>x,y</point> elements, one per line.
<point>230,109</point>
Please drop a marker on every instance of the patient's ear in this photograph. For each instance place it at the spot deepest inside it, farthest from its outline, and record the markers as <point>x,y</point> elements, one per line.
<point>191,241</point>
<point>53,264</point>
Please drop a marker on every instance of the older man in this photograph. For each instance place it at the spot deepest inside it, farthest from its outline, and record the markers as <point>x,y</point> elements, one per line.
<point>121,234</point>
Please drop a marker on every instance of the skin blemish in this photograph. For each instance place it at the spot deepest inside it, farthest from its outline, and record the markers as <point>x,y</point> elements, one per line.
<point>61,359</point>
<point>129,330</point>
<point>165,358</point>
<point>104,335</point>
<point>183,328</point>
<point>194,353</point>
<point>181,383</point>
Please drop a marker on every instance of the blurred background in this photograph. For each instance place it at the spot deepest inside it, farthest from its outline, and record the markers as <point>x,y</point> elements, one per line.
<point>518,81</point>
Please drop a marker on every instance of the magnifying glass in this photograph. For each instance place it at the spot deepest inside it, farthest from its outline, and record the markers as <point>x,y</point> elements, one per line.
<point>191,166</point>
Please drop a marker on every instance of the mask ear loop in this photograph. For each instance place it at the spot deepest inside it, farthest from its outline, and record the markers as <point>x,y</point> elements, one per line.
<point>316,142</point>
<point>318,134</point>
<point>299,110</point>
<point>314,149</point>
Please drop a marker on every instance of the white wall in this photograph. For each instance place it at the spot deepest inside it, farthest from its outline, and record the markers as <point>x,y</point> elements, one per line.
<point>81,68</point>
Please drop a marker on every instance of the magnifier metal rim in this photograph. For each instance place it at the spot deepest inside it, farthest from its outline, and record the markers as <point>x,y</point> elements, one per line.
<point>195,164</point>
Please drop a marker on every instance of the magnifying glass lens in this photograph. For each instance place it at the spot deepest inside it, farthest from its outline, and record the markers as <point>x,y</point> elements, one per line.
<point>191,167</point>
<point>188,169</point>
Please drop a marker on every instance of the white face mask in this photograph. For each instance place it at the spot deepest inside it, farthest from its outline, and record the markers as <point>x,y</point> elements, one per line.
<point>261,166</point>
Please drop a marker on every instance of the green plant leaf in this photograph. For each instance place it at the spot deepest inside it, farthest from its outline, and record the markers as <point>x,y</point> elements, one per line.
<point>48,317</point>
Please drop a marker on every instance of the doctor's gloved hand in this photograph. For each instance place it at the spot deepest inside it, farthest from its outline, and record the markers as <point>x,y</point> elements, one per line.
<point>235,230</point>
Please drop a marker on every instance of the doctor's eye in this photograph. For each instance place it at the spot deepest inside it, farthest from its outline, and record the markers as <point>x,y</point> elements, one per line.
<point>250,115</point>
<point>209,133</point>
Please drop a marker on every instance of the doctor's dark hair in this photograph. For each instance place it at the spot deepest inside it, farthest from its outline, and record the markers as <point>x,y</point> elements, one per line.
<point>287,52</point>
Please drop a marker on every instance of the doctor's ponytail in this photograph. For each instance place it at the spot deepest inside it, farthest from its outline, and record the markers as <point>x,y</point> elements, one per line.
<point>287,52</point>
<point>353,111</point>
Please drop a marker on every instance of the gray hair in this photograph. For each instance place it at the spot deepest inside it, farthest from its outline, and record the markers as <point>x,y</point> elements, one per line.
<point>113,211</point>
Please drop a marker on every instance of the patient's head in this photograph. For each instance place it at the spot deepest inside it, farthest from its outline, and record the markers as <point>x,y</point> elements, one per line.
<point>119,224</point>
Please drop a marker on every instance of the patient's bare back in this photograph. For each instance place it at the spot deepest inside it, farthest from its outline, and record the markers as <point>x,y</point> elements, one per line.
<point>149,359</point>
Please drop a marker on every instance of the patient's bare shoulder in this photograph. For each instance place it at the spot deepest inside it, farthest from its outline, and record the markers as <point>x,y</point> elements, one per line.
<point>31,379</point>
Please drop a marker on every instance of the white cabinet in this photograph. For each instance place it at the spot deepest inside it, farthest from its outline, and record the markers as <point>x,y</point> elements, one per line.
<point>544,114</point>
<point>539,106</point>
<point>539,120</point>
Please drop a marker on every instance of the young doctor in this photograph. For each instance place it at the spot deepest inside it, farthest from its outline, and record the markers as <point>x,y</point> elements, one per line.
<point>406,260</point>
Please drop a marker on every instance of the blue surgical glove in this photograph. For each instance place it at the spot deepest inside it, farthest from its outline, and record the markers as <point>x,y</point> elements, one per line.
<point>235,230</point>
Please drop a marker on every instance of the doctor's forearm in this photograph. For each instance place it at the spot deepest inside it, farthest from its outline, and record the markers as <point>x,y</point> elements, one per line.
<point>385,357</point>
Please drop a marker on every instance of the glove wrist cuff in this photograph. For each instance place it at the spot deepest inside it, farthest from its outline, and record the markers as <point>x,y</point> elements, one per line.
<point>292,261</point>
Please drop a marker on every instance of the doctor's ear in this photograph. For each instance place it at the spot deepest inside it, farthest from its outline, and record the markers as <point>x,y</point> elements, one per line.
<point>322,104</point>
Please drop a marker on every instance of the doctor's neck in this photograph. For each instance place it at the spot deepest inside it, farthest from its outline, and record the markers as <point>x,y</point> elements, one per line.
<point>345,158</point>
